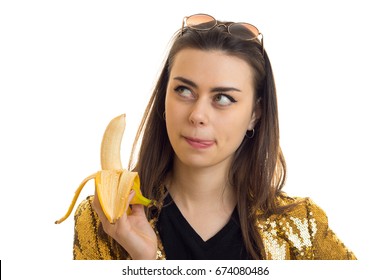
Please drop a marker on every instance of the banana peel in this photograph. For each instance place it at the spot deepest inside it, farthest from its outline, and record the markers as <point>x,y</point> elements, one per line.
<point>113,183</point>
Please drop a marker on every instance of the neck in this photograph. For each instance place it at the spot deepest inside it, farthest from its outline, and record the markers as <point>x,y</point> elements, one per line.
<point>195,188</point>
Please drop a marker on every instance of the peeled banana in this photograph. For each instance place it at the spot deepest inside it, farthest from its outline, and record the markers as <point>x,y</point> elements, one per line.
<point>113,183</point>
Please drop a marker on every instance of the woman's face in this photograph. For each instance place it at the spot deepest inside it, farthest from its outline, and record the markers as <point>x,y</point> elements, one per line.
<point>209,106</point>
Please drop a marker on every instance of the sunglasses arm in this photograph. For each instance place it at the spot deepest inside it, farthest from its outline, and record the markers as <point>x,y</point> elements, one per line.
<point>182,25</point>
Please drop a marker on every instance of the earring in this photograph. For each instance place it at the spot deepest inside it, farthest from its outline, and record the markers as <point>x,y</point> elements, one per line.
<point>251,134</point>
<point>164,116</point>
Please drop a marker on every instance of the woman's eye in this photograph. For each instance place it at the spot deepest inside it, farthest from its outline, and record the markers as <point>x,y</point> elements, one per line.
<point>224,100</point>
<point>184,92</point>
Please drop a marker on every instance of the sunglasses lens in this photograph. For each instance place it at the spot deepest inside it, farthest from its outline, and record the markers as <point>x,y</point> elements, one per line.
<point>201,22</point>
<point>244,31</point>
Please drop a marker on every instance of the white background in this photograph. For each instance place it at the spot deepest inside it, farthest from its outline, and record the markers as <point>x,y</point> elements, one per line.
<point>68,67</point>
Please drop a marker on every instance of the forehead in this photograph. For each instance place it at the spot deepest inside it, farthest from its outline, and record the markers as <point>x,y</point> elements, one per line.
<point>213,66</point>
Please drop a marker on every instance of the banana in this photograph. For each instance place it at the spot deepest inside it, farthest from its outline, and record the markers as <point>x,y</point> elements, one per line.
<point>113,184</point>
<point>110,148</point>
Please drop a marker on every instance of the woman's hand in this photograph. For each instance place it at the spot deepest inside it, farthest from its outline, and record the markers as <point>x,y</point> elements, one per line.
<point>133,232</point>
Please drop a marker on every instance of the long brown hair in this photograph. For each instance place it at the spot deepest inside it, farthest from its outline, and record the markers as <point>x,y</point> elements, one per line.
<point>258,169</point>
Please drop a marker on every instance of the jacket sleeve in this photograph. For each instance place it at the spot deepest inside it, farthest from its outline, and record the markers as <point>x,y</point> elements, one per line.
<point>326,244</point>
<point>90,241</point>
<point>301,233</point>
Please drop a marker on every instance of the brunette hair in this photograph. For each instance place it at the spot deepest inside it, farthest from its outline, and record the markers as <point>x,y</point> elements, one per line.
<point>258,170</point>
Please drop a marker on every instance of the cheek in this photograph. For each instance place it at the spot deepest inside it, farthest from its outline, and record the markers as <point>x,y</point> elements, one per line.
<point>232,130</point>
<point>175,115</point>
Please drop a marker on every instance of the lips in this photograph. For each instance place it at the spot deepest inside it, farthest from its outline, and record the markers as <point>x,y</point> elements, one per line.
<point>199,143</point>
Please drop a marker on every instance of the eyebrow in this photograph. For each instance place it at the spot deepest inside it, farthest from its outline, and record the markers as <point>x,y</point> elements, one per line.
<point>194,85</point>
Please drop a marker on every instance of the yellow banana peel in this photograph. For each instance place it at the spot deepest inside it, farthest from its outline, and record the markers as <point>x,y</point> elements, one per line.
<point>113,183</point>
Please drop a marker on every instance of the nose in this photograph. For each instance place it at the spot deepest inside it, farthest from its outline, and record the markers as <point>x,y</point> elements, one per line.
<point>199,115</point>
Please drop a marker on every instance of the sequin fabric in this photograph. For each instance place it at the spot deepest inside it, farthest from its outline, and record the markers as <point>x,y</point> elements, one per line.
<point>302,233</point>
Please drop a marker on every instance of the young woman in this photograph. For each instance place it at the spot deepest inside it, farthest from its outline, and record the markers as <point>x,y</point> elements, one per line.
<point>210,155</point>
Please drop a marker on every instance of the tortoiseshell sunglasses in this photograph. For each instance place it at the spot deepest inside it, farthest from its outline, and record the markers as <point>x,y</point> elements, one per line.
<point>204,22</point>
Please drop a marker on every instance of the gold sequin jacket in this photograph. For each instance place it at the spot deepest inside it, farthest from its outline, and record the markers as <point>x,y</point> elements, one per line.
<point>302,233</point>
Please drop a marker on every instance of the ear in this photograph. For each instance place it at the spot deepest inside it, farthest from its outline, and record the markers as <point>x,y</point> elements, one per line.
<point>255,115</point>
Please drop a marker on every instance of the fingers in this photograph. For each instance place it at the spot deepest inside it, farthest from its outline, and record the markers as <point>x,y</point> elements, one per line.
<point>124,216</point>
<point>138,210</point>
<point>131,196</point>
<point>133,232</point>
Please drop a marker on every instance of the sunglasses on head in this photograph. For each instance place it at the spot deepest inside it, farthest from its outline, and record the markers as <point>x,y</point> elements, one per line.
<point>203,22</point>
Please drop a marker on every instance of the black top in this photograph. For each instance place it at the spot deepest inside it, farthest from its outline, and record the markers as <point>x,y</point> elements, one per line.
<point>181,242</point>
